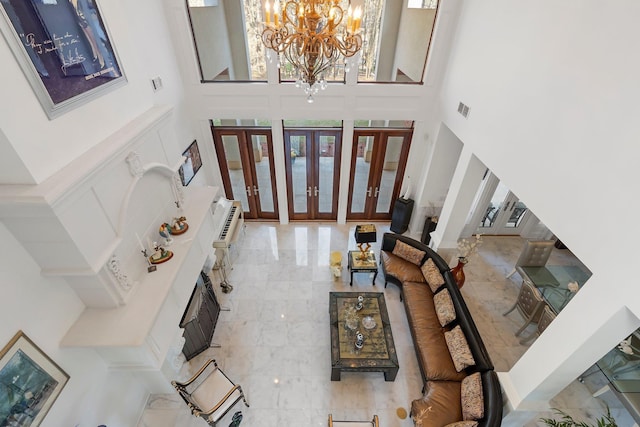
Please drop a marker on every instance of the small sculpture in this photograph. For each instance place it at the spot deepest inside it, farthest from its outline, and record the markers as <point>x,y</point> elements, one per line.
<point>179,226</point>
<point>160,254</point>
<point>359,340</point>
<point>165,231</point>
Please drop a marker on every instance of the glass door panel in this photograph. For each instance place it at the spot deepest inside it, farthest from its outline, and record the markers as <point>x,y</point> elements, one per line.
<point>239,186</point>
<point>264,189</point>
<point>361,168</point>
<point>299,162</point>
<point>384,191</point>
<point>505,214</point>
<point>326,172</point>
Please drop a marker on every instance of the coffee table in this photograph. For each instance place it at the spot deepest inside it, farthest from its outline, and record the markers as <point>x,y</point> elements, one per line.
<point>367,265</point>
<point>378,353</point>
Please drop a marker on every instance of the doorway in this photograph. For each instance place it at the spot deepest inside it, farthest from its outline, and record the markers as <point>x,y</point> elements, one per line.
<point>378,160</point>
<point>312,158</point>
<point>245,156</point>
<point>499,210</point>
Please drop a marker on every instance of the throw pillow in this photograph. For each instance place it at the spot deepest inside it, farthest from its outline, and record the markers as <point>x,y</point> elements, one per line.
<point>408,252</point>
<point>432,275</point>
<point>444,307</point>
<point>463,424</point>
<point>472,398</point>
<point>459,349</point>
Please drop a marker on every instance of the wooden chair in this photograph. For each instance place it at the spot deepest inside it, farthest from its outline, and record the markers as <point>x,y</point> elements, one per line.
<point>372,423</point>
<point>210,394</point>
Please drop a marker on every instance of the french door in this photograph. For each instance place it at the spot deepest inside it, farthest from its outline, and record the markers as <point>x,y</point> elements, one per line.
<point>497,210</point>
<point>312,159</point>
<point>378,161</point>
<point>245,156</point>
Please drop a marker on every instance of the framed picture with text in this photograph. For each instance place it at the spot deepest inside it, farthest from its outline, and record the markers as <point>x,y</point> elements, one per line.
<point>64,50</point>
<point>29,382</point>
<point>192,163</point>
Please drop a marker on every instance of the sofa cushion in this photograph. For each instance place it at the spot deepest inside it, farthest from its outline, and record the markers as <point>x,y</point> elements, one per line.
<point>471,397</point>
<point>445,310</point>
<point>419,307</point>
<point>433,355</point>
<point>463,424</point>
<point>439,406</point>
<point>401,269</point>
<point>408,252</point>
<point>459,349</point>
<point>432,275</point>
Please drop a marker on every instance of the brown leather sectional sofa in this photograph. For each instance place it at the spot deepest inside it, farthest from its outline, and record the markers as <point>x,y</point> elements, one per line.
<point>441,404</point>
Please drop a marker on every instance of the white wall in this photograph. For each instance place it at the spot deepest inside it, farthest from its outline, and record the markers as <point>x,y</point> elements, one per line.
<point>553,92</point>
<point>139,34</point>
<point>210,31</point>
<point>413,41</point>
<point>42,307</point>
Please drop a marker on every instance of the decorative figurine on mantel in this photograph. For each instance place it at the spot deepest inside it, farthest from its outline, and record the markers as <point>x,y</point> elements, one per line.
<point>179,226</point>
<point>165,231</point>
<point>160,254</point>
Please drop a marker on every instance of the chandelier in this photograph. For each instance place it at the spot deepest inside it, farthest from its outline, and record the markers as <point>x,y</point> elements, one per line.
<point>312,35</point>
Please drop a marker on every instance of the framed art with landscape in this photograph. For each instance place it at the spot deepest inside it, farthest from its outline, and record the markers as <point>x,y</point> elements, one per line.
<point>29,383</point>
<point>64,50</point>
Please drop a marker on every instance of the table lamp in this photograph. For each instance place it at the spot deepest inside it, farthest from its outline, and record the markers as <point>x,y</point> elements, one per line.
<point>365,234</point>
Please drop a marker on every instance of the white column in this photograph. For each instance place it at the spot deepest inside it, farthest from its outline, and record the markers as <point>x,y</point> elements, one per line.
<point>464,186</point>
<point>280,170</point>
<point>345,170</point>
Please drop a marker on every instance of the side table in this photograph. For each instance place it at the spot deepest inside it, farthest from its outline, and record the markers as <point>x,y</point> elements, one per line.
<point>366,265</point>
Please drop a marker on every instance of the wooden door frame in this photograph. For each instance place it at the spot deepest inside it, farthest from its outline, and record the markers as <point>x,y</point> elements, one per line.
<point>380,138</point>
<point>317,134</point>
<point>312,141</point>
<point>263,132</point>
<point>247,160</point>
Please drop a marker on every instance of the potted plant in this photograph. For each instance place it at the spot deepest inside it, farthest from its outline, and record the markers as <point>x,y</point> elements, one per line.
<point>567,420</point>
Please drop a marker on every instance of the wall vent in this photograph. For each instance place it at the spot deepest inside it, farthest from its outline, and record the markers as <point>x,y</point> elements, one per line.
<point>463,110</point>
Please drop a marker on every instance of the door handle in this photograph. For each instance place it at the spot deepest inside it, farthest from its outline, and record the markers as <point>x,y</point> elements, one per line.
<point>506,207</point>
<point>377,192</point>
<point>315,191</point>
<point>248,191</point>
<point>255,190</point>
<point>308,191</point>
<point>369,192</point>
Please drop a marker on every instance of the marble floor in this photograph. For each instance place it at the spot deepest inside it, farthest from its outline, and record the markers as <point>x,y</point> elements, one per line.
<point>275,338</point>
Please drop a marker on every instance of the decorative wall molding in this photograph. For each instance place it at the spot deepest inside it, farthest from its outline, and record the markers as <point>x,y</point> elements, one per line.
<point>115,268</point>
<point>135,164</point>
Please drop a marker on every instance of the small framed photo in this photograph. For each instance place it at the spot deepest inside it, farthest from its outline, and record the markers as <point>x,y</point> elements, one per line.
<point>29,383</point>
<point>191,165</point>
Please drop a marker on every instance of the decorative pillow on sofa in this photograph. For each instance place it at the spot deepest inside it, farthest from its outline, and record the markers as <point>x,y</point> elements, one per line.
<point>459,349</point>
<point>463,424</point>
<point>432,274</point>
<point>472,398</point>
<point>444,307</point>
<point>408,252</point>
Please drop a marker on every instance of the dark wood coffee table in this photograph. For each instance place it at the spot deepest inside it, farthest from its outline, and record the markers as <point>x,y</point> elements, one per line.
<point>378,353</point>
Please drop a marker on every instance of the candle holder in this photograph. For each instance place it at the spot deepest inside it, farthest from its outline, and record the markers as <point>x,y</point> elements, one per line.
<point>150,267</point>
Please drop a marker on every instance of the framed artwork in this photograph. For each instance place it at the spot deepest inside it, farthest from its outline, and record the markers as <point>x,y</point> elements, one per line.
<point>29,382</point>
<point>192,164</point>
<point>64,50</point>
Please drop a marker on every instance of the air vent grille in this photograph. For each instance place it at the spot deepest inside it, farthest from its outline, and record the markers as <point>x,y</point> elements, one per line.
<point>463,109</point>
